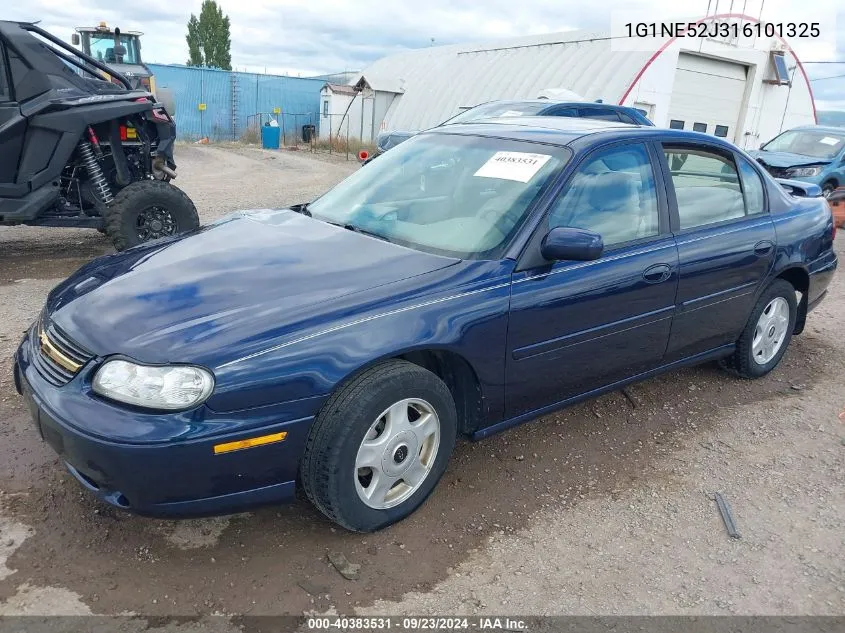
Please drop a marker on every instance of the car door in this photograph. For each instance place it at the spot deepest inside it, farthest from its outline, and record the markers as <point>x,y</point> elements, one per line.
<point>726,244</point>
<point>577,326</point>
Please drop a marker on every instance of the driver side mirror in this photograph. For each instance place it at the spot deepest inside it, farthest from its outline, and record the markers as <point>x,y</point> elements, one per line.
<point>74,39</point>
<point>565,243</point>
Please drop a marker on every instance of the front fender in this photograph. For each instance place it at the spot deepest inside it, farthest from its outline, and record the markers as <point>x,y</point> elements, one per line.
<point>468,319</point>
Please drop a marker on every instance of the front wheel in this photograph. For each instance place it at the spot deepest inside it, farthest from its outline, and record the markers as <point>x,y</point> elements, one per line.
<point>379,446</point>
<point>765,338</point>
<point>147,210</point>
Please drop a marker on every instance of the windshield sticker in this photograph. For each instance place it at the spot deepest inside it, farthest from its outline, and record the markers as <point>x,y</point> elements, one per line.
<point>830,140</point>
<point>511,113</point>
<point>519,166</point>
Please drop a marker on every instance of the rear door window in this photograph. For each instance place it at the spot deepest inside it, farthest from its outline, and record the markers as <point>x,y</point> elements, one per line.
<point>570,112</point>
<point>599,113</point>
<point>707,186</point>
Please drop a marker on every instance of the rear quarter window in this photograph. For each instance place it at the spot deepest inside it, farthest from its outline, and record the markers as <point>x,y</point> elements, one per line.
<point>752,188</point>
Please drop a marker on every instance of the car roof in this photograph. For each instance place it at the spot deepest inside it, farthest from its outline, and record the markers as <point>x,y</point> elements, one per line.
<point>820,128</point>
<point>556,130</point>
<point>545,129</point>
<point>558,123</point>
<point>553,102</point>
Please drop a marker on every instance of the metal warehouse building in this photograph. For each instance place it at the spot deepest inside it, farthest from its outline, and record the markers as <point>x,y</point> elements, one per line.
<point>745,89</point>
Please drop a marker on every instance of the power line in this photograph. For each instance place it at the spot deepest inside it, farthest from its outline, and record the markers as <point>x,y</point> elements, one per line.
<point>832,77</point>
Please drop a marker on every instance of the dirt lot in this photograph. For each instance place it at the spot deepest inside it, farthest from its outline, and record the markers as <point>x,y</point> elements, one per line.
<point>603,508</point>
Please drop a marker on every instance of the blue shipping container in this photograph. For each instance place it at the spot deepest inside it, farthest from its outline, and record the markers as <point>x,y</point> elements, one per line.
<point>229,98</point>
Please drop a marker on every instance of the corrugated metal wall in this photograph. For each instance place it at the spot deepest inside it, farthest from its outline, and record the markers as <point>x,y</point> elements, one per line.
<point>231,97</point>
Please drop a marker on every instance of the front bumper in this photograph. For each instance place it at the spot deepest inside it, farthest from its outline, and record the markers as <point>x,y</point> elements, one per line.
<point>170,478</point>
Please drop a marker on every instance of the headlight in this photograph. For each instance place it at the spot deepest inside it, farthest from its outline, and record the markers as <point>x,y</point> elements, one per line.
<point>804,172</point>
<point>170,387</point>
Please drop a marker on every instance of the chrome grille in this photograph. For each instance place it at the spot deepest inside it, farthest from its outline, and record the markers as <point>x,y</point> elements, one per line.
<point>50,371</point>
<point>50,368</point>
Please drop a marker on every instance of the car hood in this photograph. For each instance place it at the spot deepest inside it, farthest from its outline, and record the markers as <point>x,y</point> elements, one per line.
<point>787,159</point>
<point>228,289</point>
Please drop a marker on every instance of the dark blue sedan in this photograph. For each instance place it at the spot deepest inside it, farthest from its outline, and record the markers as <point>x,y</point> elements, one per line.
<point>474,278</point>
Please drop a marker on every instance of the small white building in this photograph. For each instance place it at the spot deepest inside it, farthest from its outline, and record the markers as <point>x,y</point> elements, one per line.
<point>746,90</point>
<point>357,110</point>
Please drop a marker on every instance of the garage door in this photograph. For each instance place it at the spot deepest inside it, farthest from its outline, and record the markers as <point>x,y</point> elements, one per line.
<point>707,95</point>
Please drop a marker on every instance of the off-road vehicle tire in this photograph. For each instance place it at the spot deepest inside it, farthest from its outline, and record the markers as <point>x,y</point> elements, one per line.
<point>133,205</point>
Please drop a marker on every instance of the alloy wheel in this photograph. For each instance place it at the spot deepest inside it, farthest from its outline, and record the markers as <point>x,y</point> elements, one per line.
<point>397,453</point>
<point>770,331</point>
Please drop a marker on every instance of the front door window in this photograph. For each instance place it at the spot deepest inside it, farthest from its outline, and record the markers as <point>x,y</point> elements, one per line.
<point>613,194</point>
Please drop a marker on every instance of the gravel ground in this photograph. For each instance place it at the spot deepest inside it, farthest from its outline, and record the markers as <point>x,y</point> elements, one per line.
<point>603,508</point>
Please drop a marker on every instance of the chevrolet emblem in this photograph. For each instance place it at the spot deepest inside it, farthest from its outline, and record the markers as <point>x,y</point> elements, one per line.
<point>56,355</point>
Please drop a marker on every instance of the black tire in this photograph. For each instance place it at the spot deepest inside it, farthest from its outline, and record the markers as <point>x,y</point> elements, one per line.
<point>123,213</point>
<point>742,361</point>
<point>328,469</point>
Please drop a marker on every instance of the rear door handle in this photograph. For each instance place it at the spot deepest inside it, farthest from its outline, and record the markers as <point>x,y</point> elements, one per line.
<point>763,248</point>
<point>657,273</point>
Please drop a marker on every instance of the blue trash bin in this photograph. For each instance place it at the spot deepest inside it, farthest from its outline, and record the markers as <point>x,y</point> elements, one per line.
<point>271,137</point>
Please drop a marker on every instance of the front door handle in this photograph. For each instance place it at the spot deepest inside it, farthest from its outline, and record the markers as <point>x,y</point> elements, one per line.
<point>763,248</point>
<point>657,273</point>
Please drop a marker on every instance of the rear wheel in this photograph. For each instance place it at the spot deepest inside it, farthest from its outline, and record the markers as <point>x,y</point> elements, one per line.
<point>765,338</point>
<point>148,210</point>
<point>379,446</point>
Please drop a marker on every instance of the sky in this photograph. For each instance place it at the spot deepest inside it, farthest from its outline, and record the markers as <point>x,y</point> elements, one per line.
<point>307,37</point>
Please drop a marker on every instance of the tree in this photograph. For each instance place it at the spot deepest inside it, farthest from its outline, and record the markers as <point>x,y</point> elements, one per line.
<point>208,38</point>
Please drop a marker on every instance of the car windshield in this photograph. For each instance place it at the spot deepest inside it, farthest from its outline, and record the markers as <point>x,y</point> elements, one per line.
<point>102,48</point>
<point>455,195</point>
<point>496,109</point>
<point>814,143</point>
